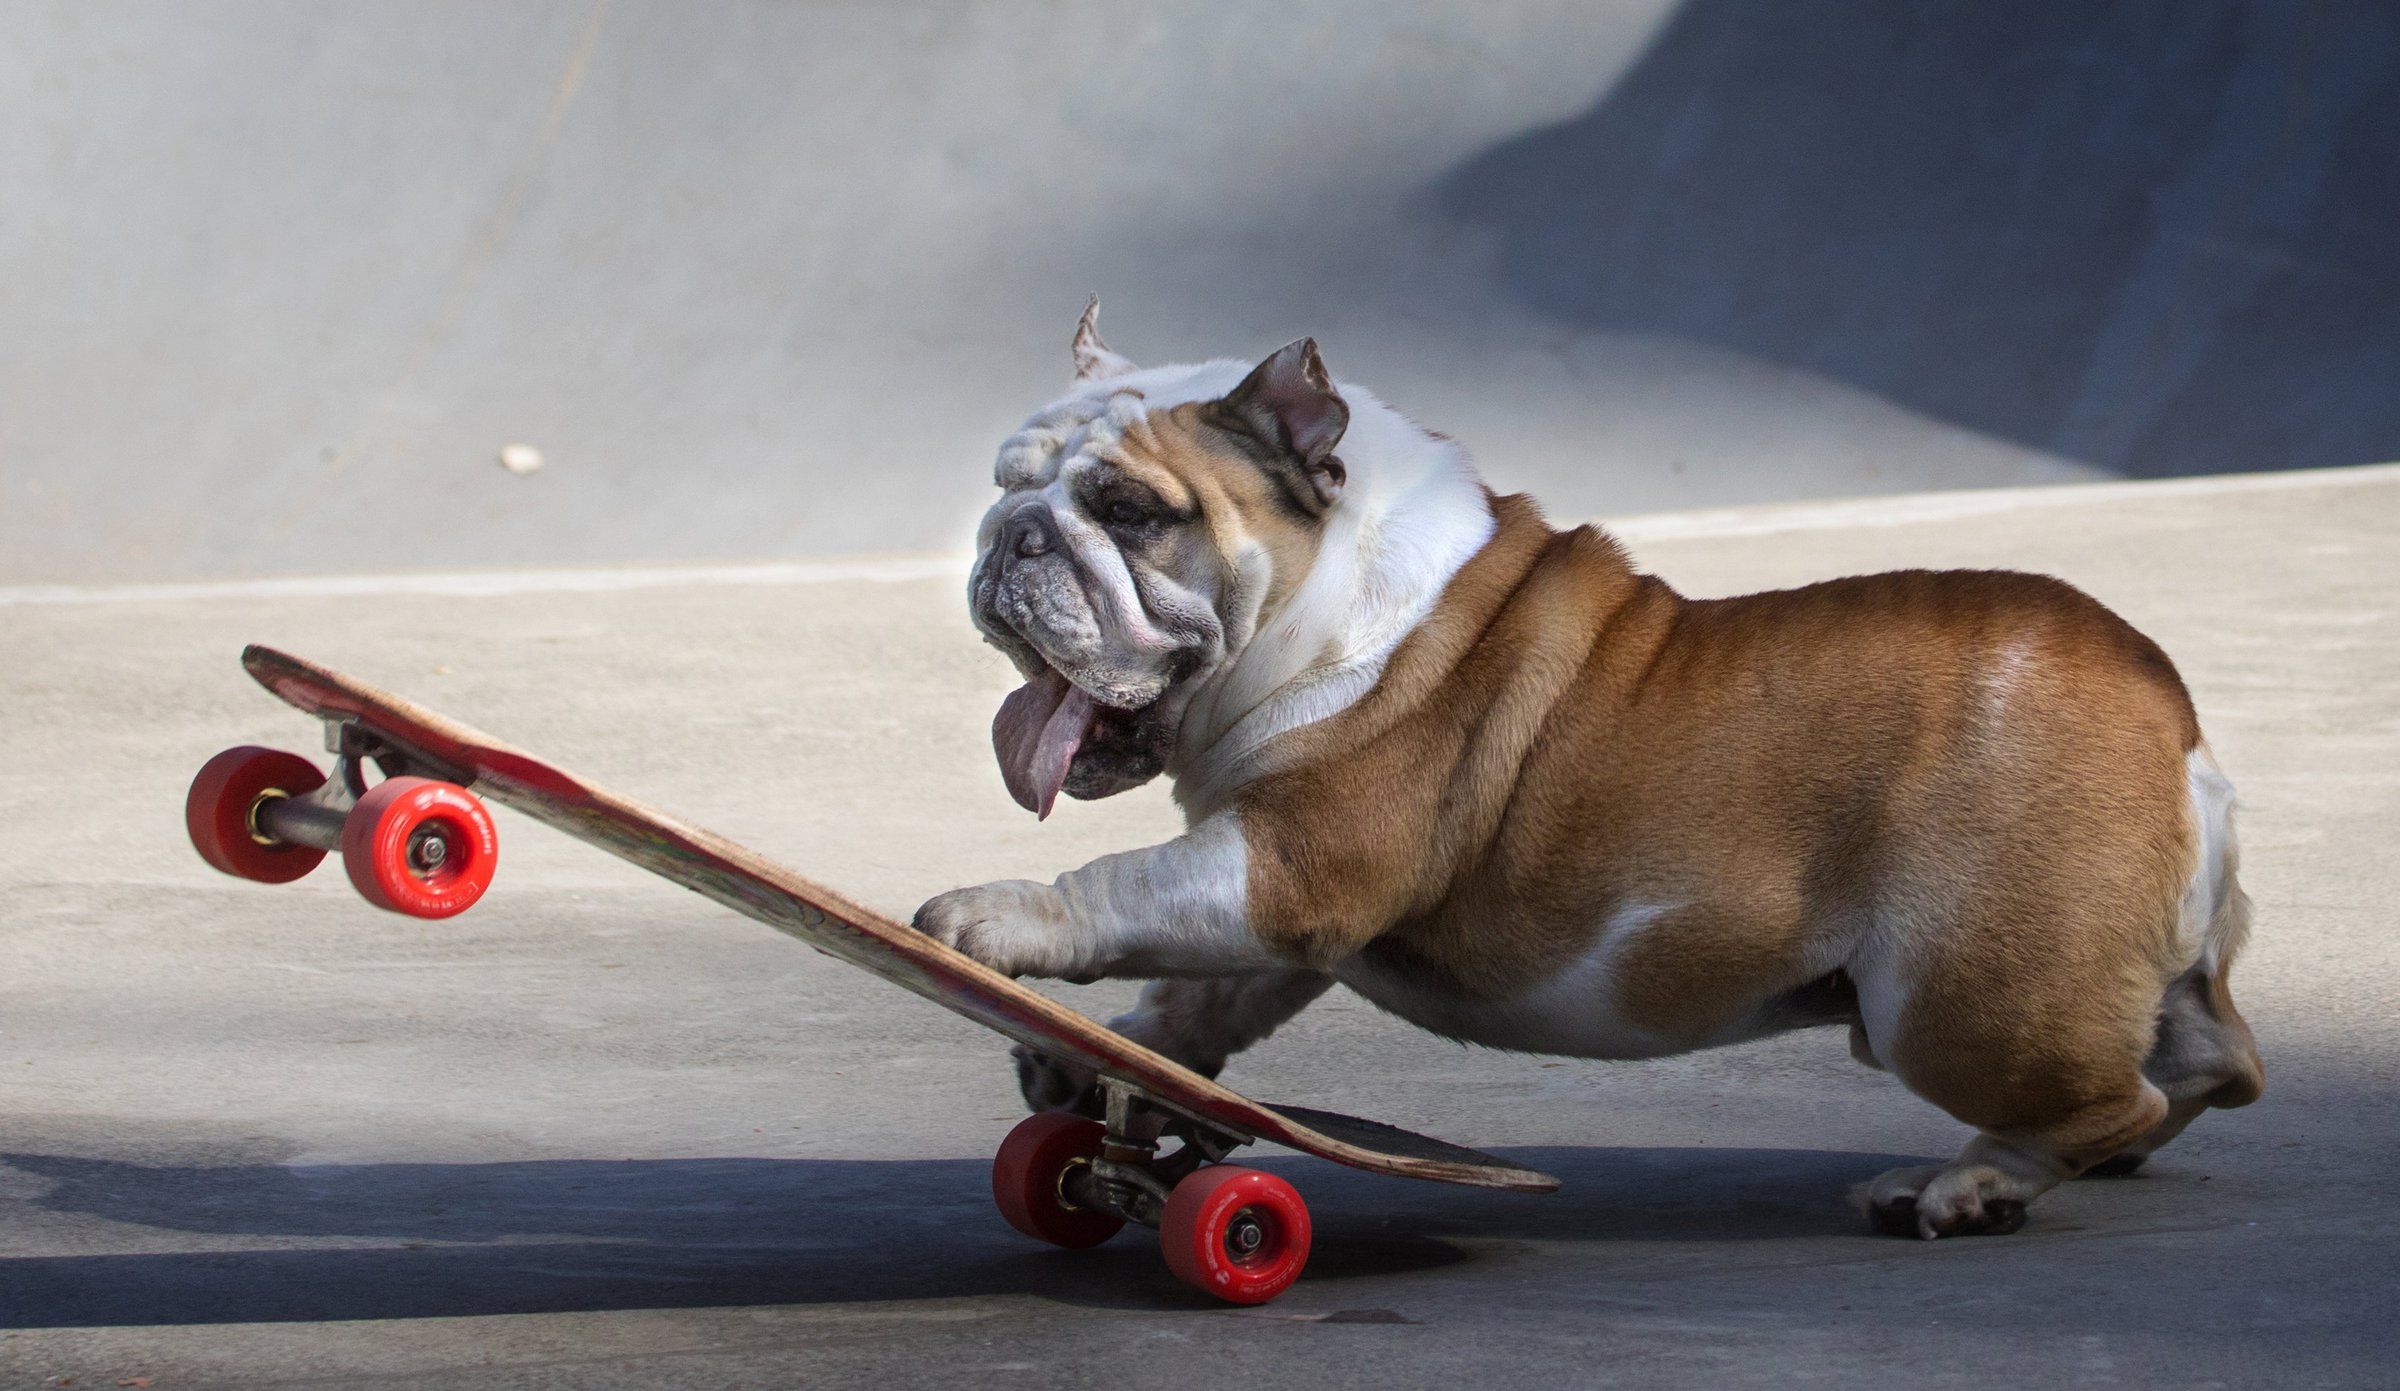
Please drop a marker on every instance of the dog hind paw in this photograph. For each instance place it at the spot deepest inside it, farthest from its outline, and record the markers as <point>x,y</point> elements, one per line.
<point>1934,1201</point>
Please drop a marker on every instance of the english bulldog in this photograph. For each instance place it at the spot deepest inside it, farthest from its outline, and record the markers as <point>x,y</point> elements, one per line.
<point>1490,775</point>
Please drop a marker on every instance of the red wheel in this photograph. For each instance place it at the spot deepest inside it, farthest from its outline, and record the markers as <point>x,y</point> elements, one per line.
<point>420,847</point>
<point>1026,1174</point>
<point>220,813</point>
<point>1239,1234</point>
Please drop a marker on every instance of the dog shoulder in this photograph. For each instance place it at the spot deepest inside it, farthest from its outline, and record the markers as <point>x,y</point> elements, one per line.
<point>1370,814</point>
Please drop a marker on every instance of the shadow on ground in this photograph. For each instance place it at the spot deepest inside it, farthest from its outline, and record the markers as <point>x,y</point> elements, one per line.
<point>2153,237</point>
<point>551,1236</point>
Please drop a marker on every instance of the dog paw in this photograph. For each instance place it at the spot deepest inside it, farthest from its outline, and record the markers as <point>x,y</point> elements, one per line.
<point>1015,926</point>
<point>1936,1200</point>
<point>1053,1084</point>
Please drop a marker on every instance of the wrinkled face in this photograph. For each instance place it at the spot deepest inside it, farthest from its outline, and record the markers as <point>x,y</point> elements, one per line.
<point>1128,561</point>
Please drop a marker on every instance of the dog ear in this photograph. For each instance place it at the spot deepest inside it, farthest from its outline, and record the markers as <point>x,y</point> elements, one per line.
<point>1288,404</point>
<point>1093,360</point>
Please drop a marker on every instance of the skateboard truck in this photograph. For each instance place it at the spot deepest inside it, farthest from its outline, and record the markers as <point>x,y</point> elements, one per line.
<point>315,819</point>
<point>1128,1177</point>
<point>1240,1234</point>
<point>416,842</point>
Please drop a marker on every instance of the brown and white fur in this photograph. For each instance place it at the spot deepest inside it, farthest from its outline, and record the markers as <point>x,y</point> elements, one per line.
<point>1504,785</point>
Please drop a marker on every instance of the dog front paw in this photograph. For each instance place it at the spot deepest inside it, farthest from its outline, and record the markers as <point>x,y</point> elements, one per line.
<point>1015,926</point>
<point>1054,1084</point>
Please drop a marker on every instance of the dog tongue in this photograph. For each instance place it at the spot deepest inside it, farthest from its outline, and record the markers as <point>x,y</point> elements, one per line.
<point>1036,733</point>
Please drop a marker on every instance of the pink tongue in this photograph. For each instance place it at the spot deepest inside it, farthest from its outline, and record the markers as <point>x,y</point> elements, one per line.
<point>1036,733</point>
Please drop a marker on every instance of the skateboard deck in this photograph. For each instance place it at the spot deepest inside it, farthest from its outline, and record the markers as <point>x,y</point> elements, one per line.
<point>834,924</point>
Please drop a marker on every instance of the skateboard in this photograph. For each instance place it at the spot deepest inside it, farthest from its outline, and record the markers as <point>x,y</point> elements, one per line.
<point>418,840</point>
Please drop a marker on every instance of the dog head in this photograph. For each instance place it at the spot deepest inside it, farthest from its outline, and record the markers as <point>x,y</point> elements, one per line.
<point>1149,521</point>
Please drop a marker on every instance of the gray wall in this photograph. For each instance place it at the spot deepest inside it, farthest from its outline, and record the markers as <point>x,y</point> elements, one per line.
<point>277,280</point>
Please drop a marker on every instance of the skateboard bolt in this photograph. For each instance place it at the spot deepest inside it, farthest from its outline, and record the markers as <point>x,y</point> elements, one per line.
<point>1245,1235</point>
<point>426,851</point>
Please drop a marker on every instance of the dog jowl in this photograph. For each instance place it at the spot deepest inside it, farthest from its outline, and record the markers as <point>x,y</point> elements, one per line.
<point>1492,777</point>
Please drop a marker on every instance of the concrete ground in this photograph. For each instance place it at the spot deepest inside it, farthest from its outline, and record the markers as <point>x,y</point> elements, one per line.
<point>600,1132</point>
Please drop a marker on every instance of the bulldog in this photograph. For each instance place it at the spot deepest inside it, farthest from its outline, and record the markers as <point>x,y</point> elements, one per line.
<point>1494,778</point>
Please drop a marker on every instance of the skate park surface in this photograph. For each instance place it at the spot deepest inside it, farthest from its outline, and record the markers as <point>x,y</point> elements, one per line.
<point>600,1132</point>
<point>2102,291</point>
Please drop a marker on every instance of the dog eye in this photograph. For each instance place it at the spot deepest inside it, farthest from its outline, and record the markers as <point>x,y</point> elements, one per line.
<point>1124,513</point>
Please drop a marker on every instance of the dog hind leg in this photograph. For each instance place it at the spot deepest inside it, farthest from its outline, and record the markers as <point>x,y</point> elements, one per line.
<point>2203,1055</point>
<point>2204,1058</point>
<point>2049,1069</point>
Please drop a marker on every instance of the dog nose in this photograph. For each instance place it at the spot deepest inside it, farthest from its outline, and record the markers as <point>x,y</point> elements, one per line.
<point>1032,535</point>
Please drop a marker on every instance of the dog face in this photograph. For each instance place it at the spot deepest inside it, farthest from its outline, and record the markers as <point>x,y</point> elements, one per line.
<point>1147,522</point>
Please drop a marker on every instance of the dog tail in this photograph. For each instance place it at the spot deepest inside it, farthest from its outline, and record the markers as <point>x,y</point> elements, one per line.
<point>2215,925</point>
<point>2216,913</point>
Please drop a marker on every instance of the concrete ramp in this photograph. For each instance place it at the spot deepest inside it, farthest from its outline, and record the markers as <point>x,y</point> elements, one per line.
<point>278,283</point>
